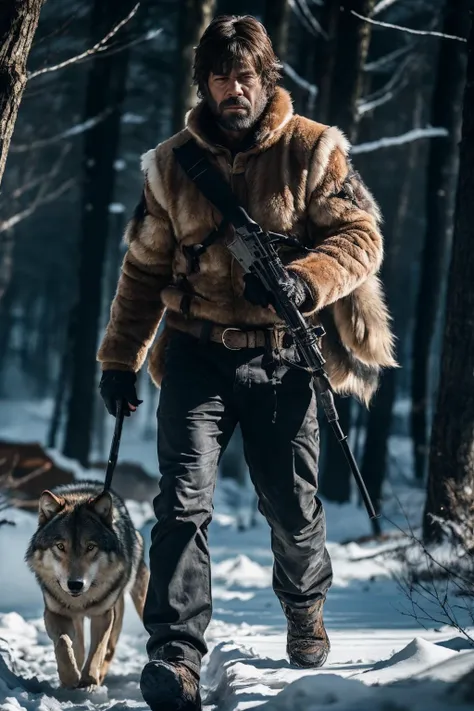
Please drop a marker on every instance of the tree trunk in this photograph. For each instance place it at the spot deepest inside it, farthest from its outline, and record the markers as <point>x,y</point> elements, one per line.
<point>352,46</point>
<point>441,189</point>
<point>452,439</point>
<point>18,23</point>
<point>375,458</point>
<point>326,58</point>
<point>276,18</point>
<point>6,327</point>
<point>344,60</point>
<point>105,92</point>
<point>193,18</point>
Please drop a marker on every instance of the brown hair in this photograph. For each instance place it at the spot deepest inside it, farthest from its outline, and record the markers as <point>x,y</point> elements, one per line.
<point>230,40</point>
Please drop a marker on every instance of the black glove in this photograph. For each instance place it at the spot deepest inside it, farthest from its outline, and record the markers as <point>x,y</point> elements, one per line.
<point>119,385</point>
<point>294,287</point>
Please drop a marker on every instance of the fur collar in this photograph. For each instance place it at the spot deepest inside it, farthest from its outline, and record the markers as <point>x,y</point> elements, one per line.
<point>279,110</point>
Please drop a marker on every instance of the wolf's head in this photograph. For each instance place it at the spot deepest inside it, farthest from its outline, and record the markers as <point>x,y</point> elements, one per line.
<point>75,544</point>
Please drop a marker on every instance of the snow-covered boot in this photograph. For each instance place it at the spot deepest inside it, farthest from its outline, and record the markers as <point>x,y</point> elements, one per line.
<point>170,686</point>
<point>307,641</point>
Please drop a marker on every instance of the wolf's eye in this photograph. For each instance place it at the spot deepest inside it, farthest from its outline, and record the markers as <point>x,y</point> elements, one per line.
<point>91,547</point>
<point>60,546</point>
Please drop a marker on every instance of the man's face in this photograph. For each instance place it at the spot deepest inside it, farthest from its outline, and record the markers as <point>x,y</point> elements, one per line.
<point>236,99</point>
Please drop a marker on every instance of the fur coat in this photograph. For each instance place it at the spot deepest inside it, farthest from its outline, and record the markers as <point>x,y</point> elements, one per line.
<point>295,178</point>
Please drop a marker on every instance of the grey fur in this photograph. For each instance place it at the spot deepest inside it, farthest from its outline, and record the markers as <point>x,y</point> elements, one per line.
<point>87,538</point>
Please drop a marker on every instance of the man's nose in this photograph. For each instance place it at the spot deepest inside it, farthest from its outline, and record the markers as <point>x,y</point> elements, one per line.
<point>235,89</point>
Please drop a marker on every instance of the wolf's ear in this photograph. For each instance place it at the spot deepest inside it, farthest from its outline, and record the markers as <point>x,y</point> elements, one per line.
<point>103,505</point>
<point>49,505</point>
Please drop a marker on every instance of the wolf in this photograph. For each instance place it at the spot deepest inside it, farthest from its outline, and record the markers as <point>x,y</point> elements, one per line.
<point>85,554</point>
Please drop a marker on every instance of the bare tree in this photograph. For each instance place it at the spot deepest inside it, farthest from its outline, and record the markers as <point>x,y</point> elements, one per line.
<point>351,46</point>
<point>441,189</point>
<point>452,438</point>
<point>105,93</point>
<point>18,23</point>
<point>193,18</point>
<point>379,422</point>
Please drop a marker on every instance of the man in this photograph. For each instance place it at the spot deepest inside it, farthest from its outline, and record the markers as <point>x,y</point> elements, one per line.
<point>223,356</point>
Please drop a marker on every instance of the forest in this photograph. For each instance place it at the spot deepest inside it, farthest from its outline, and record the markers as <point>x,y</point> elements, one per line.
<point>87,87</point>
<point>99,83</point>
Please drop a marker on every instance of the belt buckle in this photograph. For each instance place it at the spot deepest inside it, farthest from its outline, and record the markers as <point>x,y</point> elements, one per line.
<point>230,328</point>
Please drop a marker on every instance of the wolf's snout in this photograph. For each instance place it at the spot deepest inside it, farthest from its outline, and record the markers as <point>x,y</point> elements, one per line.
<point>75,586</point>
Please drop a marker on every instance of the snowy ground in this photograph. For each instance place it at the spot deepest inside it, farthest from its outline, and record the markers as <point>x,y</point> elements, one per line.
<point>381,659</point>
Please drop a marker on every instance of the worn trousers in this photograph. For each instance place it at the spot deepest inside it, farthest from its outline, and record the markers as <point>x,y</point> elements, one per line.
<point>206,390</point>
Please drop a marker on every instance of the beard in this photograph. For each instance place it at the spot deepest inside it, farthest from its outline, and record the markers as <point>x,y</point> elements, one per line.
<point>237,120</point>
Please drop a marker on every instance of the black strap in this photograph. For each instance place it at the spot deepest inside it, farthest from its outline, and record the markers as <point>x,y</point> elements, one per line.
<point>195,162</point>
<point>208,179</point>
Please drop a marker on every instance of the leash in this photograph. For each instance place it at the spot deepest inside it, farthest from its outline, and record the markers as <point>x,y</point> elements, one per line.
<point>114,448</point>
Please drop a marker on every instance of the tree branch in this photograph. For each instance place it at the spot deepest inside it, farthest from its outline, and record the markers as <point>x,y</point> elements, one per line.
<point>408,29</point>
<point>306,17</point>
<point>413,135</point>
<point>382,5</point>
<point>42,196</point>
<point>69,133</point>
<point>99,47</point>
<point>50,197</point>
<point>396,83</point>
<point>312,89</point>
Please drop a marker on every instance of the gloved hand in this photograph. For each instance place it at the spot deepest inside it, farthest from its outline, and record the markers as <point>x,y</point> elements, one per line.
<point>296,289</point>
<point>119,385</point>
<point>294,286</point>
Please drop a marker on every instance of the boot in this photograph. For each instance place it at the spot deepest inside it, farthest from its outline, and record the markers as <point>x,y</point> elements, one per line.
<point>307,641</point>
<point>170,686</point>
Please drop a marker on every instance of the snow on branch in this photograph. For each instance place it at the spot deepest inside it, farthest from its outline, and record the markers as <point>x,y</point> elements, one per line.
<point>44,194</point>
<point>408,29</point>
<point>101,46</point>
<point>395,84</point>
<point>414,135</point>
<point>312,89</point>
<point>69,133</point>
<point>27,212</point>
<point>383,63</point>
<point>382,5</point>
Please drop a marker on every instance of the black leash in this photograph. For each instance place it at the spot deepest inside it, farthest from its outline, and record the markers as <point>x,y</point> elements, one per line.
<point>114,449</point>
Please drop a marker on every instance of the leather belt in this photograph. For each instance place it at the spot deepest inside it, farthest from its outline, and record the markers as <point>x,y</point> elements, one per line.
<point>232,338</point>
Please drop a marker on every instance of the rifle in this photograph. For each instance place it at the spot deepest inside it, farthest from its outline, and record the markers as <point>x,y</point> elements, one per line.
<point>255,251</point>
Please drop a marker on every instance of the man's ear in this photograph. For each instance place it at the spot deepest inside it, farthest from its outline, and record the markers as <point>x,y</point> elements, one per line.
<point>49,506</point>
<point>103,506</point>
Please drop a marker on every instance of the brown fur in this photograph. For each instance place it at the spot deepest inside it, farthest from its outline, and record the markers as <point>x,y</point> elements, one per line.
<point>290,181</point>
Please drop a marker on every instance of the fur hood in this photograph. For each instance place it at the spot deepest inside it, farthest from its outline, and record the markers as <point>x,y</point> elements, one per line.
<point>292,175</point>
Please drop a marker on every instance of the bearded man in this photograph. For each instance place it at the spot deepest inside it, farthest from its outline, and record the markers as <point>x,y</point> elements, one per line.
<point>223,356</point>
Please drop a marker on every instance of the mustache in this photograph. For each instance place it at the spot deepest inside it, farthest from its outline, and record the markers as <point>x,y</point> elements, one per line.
<point>235,101</point>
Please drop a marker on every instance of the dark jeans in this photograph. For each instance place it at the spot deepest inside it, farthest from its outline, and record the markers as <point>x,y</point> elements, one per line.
<point>206,390</point>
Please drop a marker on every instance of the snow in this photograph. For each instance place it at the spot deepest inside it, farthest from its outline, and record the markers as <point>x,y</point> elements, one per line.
<point>116,208</point>
<point>380,659</point>
<point>388,141</point>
